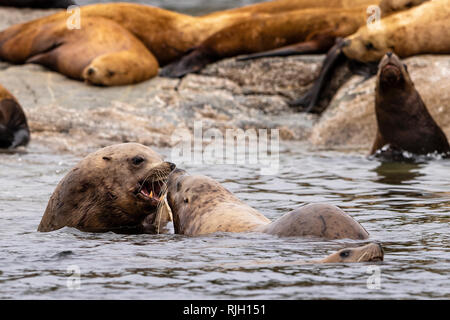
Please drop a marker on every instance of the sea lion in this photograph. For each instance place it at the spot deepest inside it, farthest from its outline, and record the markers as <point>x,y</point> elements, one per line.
<point>14,131</point>
<point>404,122</point>
<point>117,188</point>
<point>22,43</point>
<point>311,29</point>
<point>117,59</point>
<point>372,252</point>
<point>43,4</point>
<point>201,205</point>
<point>419,30</point>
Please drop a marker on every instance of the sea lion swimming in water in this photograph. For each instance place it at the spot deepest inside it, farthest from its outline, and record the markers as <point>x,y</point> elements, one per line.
<point>118,188</point>
<point>201,205</point>
<point>14,131</point>
<point>372,252</point>
<point>404,123</point>
<point>46,41</point>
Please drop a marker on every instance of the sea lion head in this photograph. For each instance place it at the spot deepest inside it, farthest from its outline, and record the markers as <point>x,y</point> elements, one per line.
<point>371,252</point>
<point>115,189</point>
<point>392,73</point>
<point>367,44</point>
<point>183,193</point>
<point>192,196</point>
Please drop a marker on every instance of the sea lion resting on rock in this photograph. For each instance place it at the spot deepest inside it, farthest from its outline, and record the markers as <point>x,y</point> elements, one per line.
<point>107,51</point>
<point>44,4</point>
<point>313,29</point>
<point>117,188</point>
<point>404,122</point>
<point>14,129</point>
<point>419,30</point>
<point>201,205</point>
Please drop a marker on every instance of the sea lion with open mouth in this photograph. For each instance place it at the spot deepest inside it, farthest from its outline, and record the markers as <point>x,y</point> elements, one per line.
<point>404,122</point>
<point>14,131</point>
<point>117,188</point>
<point>201,205</point>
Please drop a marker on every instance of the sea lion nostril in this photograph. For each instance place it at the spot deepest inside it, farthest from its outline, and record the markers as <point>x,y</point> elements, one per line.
<point>90,71</point>
<point>389,54</point>
<point>172,165</point>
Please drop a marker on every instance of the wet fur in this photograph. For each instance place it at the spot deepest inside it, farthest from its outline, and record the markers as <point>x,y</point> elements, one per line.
<point>14,130</point>
<point>403,120</point>
<point>201,205</point>
<point>97,194</point>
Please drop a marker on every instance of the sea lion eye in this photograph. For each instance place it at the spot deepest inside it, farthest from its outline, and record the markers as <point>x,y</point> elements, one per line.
<point>406,67</point>
<point>345,254</point>
<point>137,160</point>
<point>369,46</point>
<point>186,200</point>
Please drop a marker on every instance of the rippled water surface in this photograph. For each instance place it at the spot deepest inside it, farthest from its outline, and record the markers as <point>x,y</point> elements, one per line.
<point>403,206</point>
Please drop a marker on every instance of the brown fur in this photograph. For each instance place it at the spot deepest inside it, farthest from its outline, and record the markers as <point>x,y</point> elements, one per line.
<point>168,35</point>
<point>14,129</point>
<point>101,193</point>
<point>201,205</point>
<point>403,120</point>
<point>423,29</point>
<point>371,252</point>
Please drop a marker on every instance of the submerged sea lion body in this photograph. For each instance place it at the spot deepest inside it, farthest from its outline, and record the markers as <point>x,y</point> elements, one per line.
<point>14,131</point>
<point>404,122</point>
<point>201,205</point>
<point>117,189</point>
<point>371,252</point>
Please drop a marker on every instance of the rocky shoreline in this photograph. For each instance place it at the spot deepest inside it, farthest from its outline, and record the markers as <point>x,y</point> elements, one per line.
<point>71,116</point>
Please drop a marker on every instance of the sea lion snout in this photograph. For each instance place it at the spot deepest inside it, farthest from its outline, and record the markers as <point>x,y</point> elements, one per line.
<point>391,70</point>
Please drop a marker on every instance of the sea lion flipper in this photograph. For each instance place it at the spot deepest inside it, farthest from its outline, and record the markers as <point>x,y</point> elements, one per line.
<point>319,43</point>
<point>334,56</point>
<point>193,61</point>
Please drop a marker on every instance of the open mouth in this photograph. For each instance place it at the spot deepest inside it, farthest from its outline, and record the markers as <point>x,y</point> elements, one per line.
<point>150,191</point>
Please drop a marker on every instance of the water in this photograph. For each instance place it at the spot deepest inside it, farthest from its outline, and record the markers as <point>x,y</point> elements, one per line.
<point>403,206</point>
<point>194,7</point>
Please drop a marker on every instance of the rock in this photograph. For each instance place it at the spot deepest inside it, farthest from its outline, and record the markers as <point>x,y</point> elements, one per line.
<point>10,16</point>
<point>350,119</point>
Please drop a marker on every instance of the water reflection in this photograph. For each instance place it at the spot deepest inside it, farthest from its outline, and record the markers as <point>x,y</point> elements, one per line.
<point>397,173</point>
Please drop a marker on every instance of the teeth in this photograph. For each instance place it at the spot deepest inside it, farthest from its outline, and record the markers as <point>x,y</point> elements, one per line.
<point>151,194</point>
